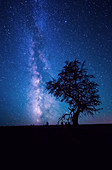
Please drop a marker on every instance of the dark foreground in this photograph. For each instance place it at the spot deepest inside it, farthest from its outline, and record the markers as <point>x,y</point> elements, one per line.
<point>85,146</point>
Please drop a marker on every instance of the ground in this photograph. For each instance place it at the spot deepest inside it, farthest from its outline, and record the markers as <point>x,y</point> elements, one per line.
<point>85,145</point>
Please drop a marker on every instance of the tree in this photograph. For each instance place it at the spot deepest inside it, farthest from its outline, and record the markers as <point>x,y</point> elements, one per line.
<point>77,88</point>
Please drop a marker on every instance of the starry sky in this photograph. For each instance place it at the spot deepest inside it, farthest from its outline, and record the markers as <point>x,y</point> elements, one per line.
<point>36,38</point>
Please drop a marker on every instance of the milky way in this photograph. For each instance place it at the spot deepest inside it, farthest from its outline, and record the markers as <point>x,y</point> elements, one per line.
<point>42,106</point>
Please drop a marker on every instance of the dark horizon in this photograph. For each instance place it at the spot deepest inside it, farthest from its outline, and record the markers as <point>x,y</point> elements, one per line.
<point>58,125</point>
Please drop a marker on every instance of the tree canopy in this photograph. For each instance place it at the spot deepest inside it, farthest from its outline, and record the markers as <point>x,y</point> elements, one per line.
<point>76,87</point>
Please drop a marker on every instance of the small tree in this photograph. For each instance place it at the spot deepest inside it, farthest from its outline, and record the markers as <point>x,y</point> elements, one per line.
<point>76,87</point>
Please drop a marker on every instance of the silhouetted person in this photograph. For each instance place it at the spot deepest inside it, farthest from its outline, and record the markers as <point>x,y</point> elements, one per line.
<point>47,123</point>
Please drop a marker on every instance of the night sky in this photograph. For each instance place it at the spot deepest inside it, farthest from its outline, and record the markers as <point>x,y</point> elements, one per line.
<point>36,38</point>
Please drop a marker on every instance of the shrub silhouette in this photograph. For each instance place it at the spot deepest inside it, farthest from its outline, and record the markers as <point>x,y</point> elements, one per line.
<point>76,87</point>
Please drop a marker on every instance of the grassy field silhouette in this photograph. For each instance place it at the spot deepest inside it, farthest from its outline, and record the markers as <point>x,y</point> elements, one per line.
<point>84,145</point>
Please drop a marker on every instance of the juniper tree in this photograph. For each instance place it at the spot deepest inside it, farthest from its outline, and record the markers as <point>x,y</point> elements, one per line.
<point>76,87</point>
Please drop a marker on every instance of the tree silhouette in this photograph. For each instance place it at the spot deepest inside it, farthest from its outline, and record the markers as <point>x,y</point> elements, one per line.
<point>76,87</point>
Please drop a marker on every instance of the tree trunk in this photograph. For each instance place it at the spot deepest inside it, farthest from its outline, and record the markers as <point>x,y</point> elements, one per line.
<point>75,119</point>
